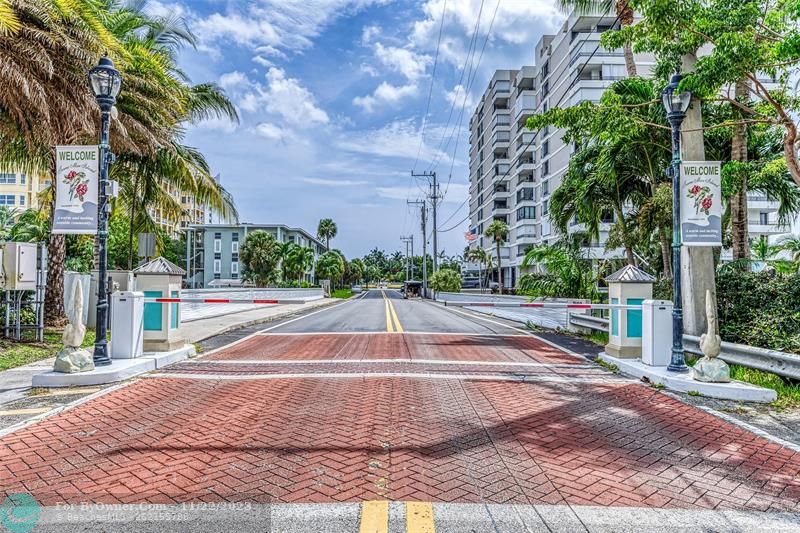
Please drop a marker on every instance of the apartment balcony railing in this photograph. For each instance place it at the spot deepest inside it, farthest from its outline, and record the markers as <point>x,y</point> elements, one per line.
<point>500,137</point>
<point>501,89</point>
<point>501,121</point>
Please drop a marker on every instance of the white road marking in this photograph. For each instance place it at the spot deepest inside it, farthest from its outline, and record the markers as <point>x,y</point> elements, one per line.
<point>390,360</point>
<point>362,375</point>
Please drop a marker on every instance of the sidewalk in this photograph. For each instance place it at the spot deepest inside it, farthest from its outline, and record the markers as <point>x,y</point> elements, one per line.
<point>15,382</point>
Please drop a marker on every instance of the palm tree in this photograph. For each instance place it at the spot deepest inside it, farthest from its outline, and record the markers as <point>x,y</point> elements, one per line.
<point>568,274</point>
<point>302,259</point>
<point>7,216</point>
<point>326,230</point>
<point>482,257</point>
<point>32,226</point>
<point>498,231</point>
<point>623,11</point>
<point>791,244</point>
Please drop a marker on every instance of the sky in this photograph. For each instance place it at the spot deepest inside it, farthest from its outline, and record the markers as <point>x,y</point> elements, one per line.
<point>332,97</point>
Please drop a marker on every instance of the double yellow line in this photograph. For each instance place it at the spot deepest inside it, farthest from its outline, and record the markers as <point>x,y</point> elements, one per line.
<point>375,517</point>
<point>392,322</point>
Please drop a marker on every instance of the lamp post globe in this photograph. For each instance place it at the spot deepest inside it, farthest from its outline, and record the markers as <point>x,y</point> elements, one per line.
<point>106,83</point>
<point>676,104</point>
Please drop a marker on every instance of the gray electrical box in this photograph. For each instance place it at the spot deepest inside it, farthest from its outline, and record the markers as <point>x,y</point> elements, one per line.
<point>19,266</point>
<point>127,324</point>
<point>656,332</point>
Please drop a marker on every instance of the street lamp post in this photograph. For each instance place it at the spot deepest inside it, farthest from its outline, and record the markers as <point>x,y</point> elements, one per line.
<point>676,104</point>
<point>105,82</point>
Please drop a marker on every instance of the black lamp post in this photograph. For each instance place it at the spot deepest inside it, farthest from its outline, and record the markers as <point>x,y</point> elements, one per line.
<point>105,81</point>
<point>676,104</point>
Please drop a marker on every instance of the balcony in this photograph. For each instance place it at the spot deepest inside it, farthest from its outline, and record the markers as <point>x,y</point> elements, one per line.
<point>525,143</point>
<point>501,91</point>
<point>501,121</point>
<point>761,202</point>
<point>501,169</point>
<point>525,106</point>
<point>756,229</point>
<point>500,140</point>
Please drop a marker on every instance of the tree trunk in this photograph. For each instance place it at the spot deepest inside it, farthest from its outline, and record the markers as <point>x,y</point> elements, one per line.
<point>741,247</point>
<point>625,14</point>
<point>54,295</point>
<point>499,268</point>
<point>666,257</point>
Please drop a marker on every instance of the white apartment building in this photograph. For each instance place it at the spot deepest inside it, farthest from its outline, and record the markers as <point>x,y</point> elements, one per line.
<point>498,138</point>
<point>19,191</point>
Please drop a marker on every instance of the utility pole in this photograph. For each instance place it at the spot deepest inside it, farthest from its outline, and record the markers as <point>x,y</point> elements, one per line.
<point>433,196</point>
<point>424,210</point>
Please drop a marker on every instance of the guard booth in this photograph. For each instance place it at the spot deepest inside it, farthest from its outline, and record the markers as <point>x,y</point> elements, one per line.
<point>160,278</point>
<point>412,289</point>
<point>627,286</point>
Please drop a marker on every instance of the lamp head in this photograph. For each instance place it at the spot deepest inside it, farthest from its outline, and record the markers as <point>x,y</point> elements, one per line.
<point>673,101</point>
<point>106,82</point>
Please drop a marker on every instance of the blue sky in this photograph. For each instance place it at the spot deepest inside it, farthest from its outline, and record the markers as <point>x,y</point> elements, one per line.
<point>332,95</point>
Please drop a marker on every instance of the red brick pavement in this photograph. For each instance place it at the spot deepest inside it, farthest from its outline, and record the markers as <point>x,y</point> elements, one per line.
<point>326,440</point>
<point>397,346</point>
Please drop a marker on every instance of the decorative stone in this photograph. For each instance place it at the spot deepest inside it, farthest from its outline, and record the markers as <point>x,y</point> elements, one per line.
<point>70,360</point>
<point>710,368</point>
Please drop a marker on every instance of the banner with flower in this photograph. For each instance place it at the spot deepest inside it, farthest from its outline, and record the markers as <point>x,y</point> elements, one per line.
<point>76,187</point>
<point>701,203</point>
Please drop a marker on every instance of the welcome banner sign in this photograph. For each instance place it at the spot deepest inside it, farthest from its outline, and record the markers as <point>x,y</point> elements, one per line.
<point>701,203</point>
<point>77,170</point>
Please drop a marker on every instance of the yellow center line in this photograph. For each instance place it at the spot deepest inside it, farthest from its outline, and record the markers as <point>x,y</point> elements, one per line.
<point>397,325</point>
<point>388,313</point>
<point>419,517</point>
<point>374,517</point>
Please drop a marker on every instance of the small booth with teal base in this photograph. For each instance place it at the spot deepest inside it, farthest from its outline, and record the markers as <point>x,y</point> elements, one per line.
<point>627,286</point>
<point>160,278</point>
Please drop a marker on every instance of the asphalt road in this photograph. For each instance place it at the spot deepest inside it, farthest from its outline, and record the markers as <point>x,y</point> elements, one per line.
<point>385,415</point>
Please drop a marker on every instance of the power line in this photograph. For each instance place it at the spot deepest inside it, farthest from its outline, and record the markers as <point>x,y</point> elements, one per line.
<point>430,89</point>
<point>563,95</point>
<point>466,96</point>
<point>467,60</point>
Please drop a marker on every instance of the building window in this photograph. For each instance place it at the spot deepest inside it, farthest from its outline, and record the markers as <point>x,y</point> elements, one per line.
<point>217,256</point>
<point>544,208</point>
<point>235,247</point>
<point>525,194</point>
<point>8,178</point>
<point>217,276</point>
<point>217,245</point>
<point>217,266</point>
<point>6,199</point>
<point>234,257</point>
<point>545,88</point>
<point>763,219</point>
<point>235,236</point>
<point>234,268</point>
<point>22,179</point>
<point>218,235</point>
<point>21,200</point>
<point>545,149</point>
<point>546,168</point>
<point>545,187</point>
<point>526,213</point>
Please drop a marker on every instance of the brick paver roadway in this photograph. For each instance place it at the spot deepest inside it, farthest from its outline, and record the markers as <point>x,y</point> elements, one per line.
<point>447,411</point>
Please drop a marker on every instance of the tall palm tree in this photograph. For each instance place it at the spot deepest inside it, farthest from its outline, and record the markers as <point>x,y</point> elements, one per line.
<point>498,232</point>
<point>622,10</point>
<point>286,250</point>
<point>31,226</point>
<point>327,230</point>
<point>482,257</point>
<point>302,259</point>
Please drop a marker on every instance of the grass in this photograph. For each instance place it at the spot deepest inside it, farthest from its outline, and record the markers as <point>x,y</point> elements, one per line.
<point>788,391</point>
<point>608,366</point>
<point>14,354</point>
<point>342,293</point>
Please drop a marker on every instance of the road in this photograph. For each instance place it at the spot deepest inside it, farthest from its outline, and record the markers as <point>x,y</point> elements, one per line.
<point>387,415</point>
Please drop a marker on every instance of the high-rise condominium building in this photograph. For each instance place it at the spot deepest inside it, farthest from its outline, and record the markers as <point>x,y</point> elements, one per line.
<point>513,170</point>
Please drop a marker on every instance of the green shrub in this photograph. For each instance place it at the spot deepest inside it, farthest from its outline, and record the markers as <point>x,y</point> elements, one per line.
<point>446,280</point>
<point>760,309</point>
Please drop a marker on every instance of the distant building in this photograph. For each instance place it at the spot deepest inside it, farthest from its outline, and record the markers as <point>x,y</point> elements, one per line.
<point>213,249</point>
<point>20,191</point>
<point>498,137</point>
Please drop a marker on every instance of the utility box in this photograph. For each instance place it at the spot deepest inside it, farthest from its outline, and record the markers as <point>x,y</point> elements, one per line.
<point>19,266</point>
<point>656,332</point>
<point>127,324</point>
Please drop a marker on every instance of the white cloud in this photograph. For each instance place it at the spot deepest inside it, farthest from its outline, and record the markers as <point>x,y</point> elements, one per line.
<point>457,96</point>
<point>280,95</point>
<point>402,60</point>
<point>270,131</point>
<point>398,139</point>
<point>385,94</point>
<point>333,183</point>
<point>369,32</point>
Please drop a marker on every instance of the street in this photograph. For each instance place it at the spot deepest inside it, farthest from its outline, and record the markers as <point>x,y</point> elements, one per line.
<point>382,414</point>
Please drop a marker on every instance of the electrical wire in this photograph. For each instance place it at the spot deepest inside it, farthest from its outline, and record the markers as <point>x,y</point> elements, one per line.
<point>430,89</point>
<point>563,95</point>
